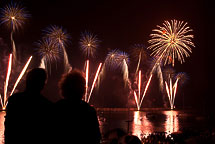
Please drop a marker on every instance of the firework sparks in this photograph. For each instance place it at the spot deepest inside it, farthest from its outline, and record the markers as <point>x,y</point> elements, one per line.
<point>87,78</point>
<point>7,78</point>
<point>4,100</point>
<point>112,59</point>
<point>13,16</point>
<point>171,91</point>
<point>183,77</point>
<point>171,41</point>
<point>169,72</point>
<point>88,95</point>
<point>139,98</point>
<point>122,58</point>
<point>139,84</point>
<point>160,76</point>
<point>21,75</point>
<point>94,81</point>
<point>145,90</point>
<point>48,51</point>
<point>116,59</point>
<point>136,100</point>
<point>88,43</point>
<point>125,72</point>
<point>60,37</point>
<point>139,53</point>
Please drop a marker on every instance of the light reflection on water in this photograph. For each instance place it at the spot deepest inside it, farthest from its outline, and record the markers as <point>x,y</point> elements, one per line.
<point>2,114</point>
<point>144,124</point>
<point>171,124</point>
<point>140,121</point>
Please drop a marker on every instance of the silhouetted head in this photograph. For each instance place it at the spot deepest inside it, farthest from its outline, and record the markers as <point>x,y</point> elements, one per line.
<point>115,135</point>
<point>130,139</point>
<point>72,85</point>
<point>35,80</point>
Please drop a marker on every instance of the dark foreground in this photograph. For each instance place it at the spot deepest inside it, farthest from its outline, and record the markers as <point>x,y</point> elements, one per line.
<point>152,125</point>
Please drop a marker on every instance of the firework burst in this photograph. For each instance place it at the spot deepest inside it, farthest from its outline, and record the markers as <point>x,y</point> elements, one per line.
<point>116,59</point>
<point>60,38</point>
<point>122,56</point>
<point>88,43</point>
<point>57,34</point>
<point>168,72</point>
<point>183,77</point>
<point>111,59</point>
<point>48,51</point>
<point>171,41</point>
<point>13,16</point>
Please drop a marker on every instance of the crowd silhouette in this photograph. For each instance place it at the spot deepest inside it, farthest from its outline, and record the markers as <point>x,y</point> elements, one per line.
<point>32,119</point>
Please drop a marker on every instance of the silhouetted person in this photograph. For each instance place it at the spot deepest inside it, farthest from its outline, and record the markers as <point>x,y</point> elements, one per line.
<point>77,120</point>
<point>27,113</point>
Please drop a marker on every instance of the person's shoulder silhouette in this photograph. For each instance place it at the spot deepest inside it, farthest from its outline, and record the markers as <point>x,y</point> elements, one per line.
<point>78,120</point>
<point>27,111</point>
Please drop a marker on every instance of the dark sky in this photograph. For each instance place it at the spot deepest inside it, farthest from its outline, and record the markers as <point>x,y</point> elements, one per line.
<point>120,24</point>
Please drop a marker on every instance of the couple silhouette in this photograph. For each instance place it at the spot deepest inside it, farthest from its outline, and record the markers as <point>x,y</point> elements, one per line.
<point>32,119</point>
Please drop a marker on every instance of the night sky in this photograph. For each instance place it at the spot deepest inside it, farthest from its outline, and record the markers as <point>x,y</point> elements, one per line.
<point>119,25</point>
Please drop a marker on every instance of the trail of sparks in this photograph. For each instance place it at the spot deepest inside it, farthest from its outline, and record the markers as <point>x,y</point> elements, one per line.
<point>94,82</point>
<point>125,71</point>
<point>160,76</point>
<point>1,102</point>
<point>139,99</point>
<point>21,75</point>
<point>146,88</point>
<point>42,63</point>
<point>7,78</point>
<point>87,78</point>
<point>139,85</point>
<point>175,89</point>
<point>4,101</point>
<point>171,91</point>
<point>66,61</point>
<point>13,47</point>
<point>138,64</point>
